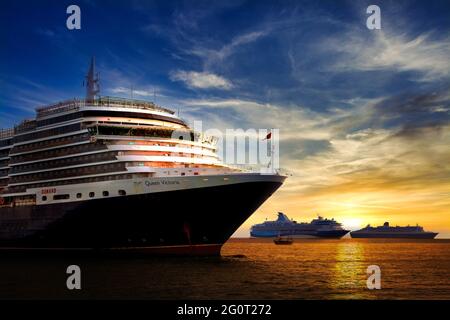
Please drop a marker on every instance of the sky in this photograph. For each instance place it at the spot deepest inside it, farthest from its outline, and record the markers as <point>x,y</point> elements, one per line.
<point>364,115</point>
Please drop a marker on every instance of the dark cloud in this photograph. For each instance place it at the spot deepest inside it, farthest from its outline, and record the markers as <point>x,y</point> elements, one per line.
<point>405,115</point>
<point>415,130</point>
<point>412,103</point>
<point>413,113</point>
<point>415,107</point>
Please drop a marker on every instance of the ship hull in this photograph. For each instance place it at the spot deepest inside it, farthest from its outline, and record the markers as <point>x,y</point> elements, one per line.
<point>195,221</point>
<point>333,234</point>
<point>424,235</point>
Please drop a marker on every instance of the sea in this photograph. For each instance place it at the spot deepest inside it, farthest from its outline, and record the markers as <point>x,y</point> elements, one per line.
<point>247,269</point>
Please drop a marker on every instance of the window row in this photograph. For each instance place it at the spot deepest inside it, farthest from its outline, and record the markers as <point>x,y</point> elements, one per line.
<point>4,163</point>
<point>60,152</point>
<point>50,143</point>
<point>80,195</point>
<point>143,132</point>
<point>46,122</point>
<point>4,153</point>
<point>65,173</point>
<point>65,162</point>
<point>17,189</point>
<point>47,133</point>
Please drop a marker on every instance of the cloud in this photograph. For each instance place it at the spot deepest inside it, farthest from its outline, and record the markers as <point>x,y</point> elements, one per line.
<point>359,149</point>
<point>201,80</point>
<point>415,112</point>
<point>28,94</point>
<point>46,32</point>
<point>302,148</point>
<point>129,91</point>
<point>292,121</point>
<point>212,56</point>
<point>120,79</point>
<point>382,50</point>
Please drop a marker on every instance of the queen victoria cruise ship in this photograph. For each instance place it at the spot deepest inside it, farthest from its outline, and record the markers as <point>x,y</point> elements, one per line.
<point>105,173</point>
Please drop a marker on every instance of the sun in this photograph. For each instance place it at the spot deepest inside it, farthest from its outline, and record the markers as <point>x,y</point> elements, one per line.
<point>352,223</point>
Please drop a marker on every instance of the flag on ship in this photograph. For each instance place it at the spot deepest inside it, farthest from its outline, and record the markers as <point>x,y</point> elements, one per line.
<point>268,136</point>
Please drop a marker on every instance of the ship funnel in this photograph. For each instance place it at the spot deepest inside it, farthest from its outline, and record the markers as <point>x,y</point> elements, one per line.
<point>92,82</point>
<point>282,217</point>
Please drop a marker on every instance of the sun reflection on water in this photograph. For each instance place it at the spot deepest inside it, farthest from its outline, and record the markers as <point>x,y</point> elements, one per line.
<point>349,270</point>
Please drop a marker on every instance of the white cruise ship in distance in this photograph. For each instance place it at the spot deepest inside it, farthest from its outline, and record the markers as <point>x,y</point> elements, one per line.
<point>107,173</point>
<point>283,227</point>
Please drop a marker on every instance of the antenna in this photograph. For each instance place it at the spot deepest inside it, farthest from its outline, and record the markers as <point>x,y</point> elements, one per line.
<point>272,145</point>
<point>92,82</point>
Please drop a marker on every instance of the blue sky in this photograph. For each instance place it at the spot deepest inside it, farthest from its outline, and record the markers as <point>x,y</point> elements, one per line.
<point>288,52</point>
<point>358,109</point>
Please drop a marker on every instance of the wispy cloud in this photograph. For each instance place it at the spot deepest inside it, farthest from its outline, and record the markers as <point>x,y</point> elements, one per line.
<point>347,148</point>
<point>132,91</point>
<point>426,53</point>
<point>28,94</point>
<point>201,80</point>
<point>253,114</point>
<point>46,32</point>
<point>212,56</point>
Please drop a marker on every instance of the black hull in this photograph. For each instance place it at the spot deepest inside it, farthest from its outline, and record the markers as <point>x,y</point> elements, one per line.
<point>424,235</point>
<point>194,221</point>
<point>335,234</point>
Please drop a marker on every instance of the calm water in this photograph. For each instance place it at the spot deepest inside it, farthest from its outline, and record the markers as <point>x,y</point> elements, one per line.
<point>249,269</point>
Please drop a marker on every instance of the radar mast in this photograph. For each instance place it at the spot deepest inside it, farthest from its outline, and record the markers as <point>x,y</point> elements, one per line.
<point>92,82</point>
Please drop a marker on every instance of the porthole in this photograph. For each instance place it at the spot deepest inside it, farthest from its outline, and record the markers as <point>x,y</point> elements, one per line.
<point>105,193</point>
<point>44,198</point>
<point>91,194</point>
<point>79,195</point>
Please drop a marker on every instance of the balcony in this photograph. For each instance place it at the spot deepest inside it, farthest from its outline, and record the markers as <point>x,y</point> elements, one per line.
<point>50,143</point>
<point>6,133</point>
<point>62,152</point>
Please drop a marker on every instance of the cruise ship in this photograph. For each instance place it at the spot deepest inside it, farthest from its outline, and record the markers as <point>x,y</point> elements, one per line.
<point>111,173</point>
<point>283,226</point>
<point>386,231</point>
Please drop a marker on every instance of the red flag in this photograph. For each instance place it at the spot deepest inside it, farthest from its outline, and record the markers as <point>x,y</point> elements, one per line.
<point>269,135</point>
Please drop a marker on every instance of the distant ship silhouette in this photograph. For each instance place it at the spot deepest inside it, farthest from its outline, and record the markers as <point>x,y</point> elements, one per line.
<point>386,231</point>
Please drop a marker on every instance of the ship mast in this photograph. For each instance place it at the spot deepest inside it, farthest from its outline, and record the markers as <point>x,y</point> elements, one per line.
<point>92,82</point>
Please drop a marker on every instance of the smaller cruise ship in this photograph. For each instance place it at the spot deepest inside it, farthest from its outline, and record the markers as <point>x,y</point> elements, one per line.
<point>283,227</point>
<point>386,231</point>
